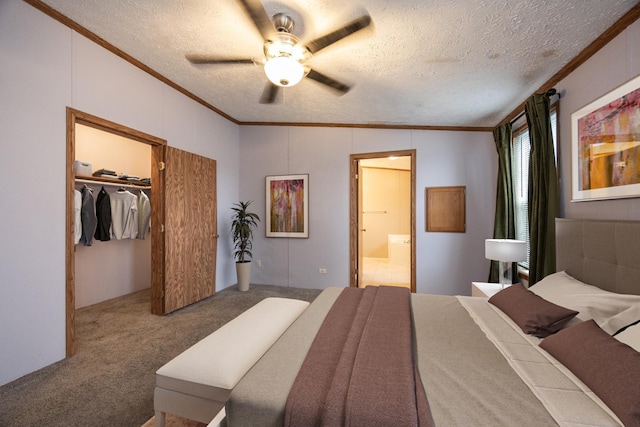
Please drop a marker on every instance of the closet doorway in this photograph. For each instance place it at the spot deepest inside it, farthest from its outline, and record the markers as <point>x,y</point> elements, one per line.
<point>108,267</point>
<point>183,221</point>
<point>382,232</point>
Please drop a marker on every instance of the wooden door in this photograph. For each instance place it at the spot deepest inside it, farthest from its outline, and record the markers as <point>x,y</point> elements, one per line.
<point>361,229</point>
<point>190,229</point>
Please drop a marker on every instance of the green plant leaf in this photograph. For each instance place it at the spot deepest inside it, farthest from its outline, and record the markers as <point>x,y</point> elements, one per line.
<point>242,224</point>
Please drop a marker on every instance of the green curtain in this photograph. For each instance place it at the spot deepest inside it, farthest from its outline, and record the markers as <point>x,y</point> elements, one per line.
<point>504,223</point>
<point>544,201</point>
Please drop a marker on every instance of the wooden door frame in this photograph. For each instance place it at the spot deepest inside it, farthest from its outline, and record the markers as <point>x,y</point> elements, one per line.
<point>157,208</point>
<point>353,210</point>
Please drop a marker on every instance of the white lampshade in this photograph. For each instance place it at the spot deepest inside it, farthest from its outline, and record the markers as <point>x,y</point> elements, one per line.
<point>284,71</point>
<point>508,250</point>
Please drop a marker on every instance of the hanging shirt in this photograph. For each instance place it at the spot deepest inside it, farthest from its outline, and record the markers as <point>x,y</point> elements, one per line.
<point>103,215</point>
<point>124,215</point>
<point>77,220</point>
<point>88,217</point>
<point>144,215</point>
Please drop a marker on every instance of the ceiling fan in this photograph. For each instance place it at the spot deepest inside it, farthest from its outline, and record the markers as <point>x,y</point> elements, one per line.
<point>284,55</point>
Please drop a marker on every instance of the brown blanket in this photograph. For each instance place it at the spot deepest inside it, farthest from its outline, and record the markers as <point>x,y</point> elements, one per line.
<point>360,369</point>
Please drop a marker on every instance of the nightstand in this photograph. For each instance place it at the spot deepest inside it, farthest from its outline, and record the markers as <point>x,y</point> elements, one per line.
<point>486,290</point>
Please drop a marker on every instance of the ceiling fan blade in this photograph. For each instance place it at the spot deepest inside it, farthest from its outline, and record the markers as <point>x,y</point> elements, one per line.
<point>328,81</point>
<point>208,59</point>
<point>259,16</point>
<point>269,94</point>
<point>328,39</point>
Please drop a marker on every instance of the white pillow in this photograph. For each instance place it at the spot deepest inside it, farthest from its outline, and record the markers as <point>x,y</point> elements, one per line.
<point>610,310</point>
<point>630,336</point>
<point>622,319</point>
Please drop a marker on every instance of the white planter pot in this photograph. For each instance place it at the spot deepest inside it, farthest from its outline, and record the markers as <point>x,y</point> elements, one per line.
<point>243,270</point>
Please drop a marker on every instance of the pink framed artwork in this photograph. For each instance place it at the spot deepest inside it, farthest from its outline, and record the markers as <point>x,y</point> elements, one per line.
<point>605,158</point>
<point>287,207</point>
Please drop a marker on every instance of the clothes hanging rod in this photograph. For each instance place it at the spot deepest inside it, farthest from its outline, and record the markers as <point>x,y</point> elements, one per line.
<point>113,184</point>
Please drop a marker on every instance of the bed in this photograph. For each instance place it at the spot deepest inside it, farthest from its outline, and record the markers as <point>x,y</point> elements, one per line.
<point>476,363</point>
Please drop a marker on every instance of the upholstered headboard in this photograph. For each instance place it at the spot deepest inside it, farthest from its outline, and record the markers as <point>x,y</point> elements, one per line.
<point>603,253</point>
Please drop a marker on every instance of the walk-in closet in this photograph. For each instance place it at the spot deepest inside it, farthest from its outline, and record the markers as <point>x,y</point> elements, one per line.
<point>111,235</point>
<point>176,259</point>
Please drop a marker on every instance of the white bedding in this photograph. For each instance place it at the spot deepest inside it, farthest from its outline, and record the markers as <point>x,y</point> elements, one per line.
<point>565,397</point>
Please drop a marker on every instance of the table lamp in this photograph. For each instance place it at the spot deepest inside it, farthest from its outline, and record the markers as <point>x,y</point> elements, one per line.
<point>505,251</point>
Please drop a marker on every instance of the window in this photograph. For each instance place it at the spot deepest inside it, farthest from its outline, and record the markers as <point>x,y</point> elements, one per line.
<point>520,162</point>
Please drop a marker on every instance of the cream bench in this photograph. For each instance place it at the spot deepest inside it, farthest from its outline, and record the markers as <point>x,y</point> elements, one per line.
<point>197,383</point>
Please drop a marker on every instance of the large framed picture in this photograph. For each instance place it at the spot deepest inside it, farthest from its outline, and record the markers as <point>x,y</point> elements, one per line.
<point>605,140</point>
<point>287,199</point>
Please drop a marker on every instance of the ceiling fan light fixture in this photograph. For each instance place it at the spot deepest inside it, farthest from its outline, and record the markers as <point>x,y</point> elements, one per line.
<point>284,44</point>
<point>285,58</point>
<point>284,71</point>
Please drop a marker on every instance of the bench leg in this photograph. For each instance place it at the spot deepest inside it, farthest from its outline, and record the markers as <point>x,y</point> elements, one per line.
<point>159,419</point>
<point>219,420</point>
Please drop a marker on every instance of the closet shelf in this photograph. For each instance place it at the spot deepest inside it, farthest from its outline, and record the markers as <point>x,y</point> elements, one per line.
<point>111,182</point>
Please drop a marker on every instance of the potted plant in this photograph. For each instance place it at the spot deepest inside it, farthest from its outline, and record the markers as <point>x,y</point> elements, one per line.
<point>242,224</point>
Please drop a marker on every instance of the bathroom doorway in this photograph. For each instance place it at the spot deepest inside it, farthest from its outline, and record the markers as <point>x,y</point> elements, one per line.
<point>383,219</point>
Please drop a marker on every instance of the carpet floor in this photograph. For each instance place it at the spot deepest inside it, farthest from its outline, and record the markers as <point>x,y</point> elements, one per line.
<point>120,345</point>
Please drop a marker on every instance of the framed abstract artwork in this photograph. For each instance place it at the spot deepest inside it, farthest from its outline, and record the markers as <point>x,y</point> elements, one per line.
<point>287,213</point>
<point>605,146</point>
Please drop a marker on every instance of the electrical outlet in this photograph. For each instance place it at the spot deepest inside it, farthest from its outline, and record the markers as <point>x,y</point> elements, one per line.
<point>259,263</point>
<point>323,270</point>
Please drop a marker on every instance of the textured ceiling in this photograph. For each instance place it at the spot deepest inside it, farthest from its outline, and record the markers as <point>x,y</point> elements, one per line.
<point>422,63</point>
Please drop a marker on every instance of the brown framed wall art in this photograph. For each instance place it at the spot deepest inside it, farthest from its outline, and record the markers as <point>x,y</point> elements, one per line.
<point>445,209</point>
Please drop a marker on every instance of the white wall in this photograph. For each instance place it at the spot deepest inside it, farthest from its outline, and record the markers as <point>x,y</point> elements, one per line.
<point>323,153</point>
<point>32,133</point>
<point>447,263</point>
<point>614,65</point>
<point>45,68</point>
<point>386,200</point>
